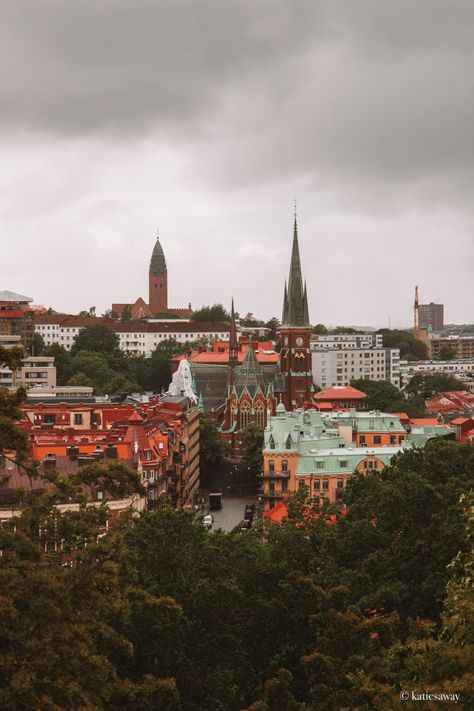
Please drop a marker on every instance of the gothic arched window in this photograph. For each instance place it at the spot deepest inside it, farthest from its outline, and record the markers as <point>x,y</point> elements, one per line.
<point>244,414</point>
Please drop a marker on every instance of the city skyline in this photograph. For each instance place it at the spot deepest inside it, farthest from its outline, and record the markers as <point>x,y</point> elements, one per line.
<point>110,130</point>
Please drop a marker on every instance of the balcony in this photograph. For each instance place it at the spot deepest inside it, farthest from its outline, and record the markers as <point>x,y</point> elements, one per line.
<point>274,475</point>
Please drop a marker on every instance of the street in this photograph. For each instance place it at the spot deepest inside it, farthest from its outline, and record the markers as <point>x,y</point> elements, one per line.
<point>232,512</point>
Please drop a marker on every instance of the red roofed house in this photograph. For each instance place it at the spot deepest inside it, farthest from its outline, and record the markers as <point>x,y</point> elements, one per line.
<point>453,401</point>
<point>340,397</point>
<point>464,428</point>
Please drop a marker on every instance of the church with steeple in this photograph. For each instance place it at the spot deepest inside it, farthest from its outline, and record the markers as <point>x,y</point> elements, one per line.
<point>295,334</point>
<point>157,305</point>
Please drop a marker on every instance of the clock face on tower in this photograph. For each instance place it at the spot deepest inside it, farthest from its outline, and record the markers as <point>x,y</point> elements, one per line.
<point>299,341</point>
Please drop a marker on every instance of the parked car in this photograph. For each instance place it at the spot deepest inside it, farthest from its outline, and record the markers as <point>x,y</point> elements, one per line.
<point>208,520</point>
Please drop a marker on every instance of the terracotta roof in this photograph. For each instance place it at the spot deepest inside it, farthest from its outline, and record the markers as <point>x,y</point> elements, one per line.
<point>342,392</point>
<point>279,512</point>
<point>461,420</point>
<point>424,421</point>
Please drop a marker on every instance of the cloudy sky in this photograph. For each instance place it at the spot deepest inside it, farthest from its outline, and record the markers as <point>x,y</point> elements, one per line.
<point>205,119</point>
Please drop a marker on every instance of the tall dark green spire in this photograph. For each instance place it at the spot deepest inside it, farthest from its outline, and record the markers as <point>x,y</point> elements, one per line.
<point>295,300</point>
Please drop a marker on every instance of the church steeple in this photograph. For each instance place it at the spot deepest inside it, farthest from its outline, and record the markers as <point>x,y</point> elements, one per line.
<point>233,342</point>
<point>295,300</point>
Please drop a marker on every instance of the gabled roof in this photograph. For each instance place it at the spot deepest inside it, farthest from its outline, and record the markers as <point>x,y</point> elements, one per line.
<point>11,296</point>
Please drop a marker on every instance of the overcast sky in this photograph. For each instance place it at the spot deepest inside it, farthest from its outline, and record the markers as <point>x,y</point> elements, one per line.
<point>204,119</point>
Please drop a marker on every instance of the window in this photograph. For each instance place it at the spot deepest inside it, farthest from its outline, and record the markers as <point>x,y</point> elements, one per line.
<point>325,484</point>
<point>284,465</point>
<point>284,486</point>
<point>370,465</point>
<point>362,440</point>
<point>340,483</point>
<point>393,439</point>
<point>301,484</point>
<point>100,495</point>
<point>320,465</point>
<point>342,463</point>
<point>78,419</point>
<point>271,442</point>
<point>271,465</point>
<point>317,484</point>
<point>400,438</point>
<point>377,439</point>
<point>289,442</point>
<point>272,487</point>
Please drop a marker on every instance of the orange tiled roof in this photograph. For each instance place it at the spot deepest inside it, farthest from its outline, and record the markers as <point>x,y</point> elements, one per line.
<point>344,392</point>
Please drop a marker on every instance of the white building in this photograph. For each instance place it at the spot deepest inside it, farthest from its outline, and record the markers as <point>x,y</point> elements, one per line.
<point>338,362</point>
<point>347,341</point>
<point>138,337</point>
<point>458,368</point>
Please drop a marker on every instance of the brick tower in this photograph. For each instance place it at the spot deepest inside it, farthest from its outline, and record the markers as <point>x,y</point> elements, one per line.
<point>158,281</point>
<point>295,333</point>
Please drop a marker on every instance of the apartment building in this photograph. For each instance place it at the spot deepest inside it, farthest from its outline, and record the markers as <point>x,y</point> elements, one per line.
<point>138,337</point>
<point>458,367</point>
<point>347,341</point>
<point>308,450</point>
<point>338,366</point>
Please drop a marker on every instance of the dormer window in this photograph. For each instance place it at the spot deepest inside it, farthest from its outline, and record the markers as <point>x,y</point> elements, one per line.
<point>289,442</point>
<point>272,442</point>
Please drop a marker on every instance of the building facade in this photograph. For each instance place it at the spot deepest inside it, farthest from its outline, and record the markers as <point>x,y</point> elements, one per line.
<point>338,366</point>
<point>306,450</point>
<point>431,317</point>
<point>17,318</point>
<point>138,337</point>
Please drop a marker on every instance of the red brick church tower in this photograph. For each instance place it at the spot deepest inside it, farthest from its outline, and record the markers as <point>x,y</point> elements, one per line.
<point>158,281</point>
<point>295,333</point>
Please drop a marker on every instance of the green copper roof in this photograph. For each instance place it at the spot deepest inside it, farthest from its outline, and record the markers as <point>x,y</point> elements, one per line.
<point>158,261</point>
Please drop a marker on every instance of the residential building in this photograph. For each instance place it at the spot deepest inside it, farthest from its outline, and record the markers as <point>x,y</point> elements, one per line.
<point>431,317</point>
<point>347,341</point>
<point>37,371</point>
<point>451,403</point>
<point>138,337</point>
<point>459,347</point>
<point>339,397</point>
<point>458,368</point>
<point>159,439</point>
<point>17,318</point>
<point>317,453</point>
<point>338,366</point>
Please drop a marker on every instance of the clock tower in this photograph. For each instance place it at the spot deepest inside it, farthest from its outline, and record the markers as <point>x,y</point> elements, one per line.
<point>295,334</point>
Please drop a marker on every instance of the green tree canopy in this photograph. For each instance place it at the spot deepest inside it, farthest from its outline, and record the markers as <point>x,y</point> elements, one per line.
<point>216,314</point>
<point>425,386</point>
<point>98,338</point>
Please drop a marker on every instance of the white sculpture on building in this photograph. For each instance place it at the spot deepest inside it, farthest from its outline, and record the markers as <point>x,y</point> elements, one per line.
<point>181,383</point>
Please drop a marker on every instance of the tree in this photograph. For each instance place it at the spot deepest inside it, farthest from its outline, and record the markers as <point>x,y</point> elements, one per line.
<point>250,464</point>
<point>62,361</point>
<point>38,346</point>
<point>126,314</point>
<point>273,324</point>
<point>446,353</point>
<point>409,346</point>
<point>425,386</point>
<point>211,450</point>
<point>320,329</point>
<point>215,314</point>
<point>98,338</point>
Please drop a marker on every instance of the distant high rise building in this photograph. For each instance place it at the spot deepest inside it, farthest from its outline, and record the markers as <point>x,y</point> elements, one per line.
<point>431,317</point>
